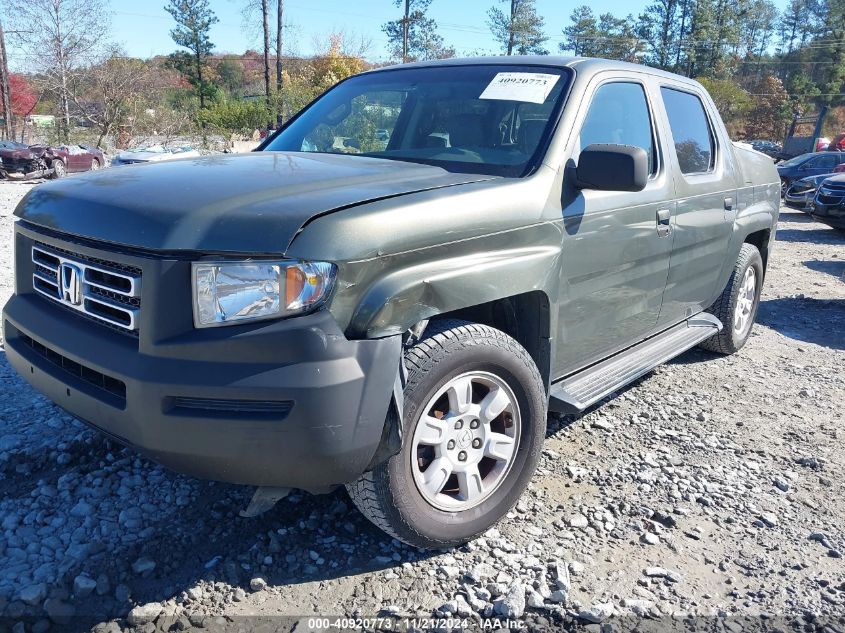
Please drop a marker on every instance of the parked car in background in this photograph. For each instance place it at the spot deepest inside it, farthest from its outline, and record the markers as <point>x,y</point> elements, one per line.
<point>76,158</point>
<point>805,165</point>
<point>20,161</point>
<point>769,148</point>
<point>153,154</point>
<point>829,204</point>
<point>801,192</point>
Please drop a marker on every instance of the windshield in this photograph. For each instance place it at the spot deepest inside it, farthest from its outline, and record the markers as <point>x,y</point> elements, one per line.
<point>489,119</point>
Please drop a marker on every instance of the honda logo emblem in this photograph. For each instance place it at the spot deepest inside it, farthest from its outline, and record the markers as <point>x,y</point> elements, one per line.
<point>70,289</point>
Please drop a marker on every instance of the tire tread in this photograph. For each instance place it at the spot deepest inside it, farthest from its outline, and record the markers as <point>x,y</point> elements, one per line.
<point>722,343</point>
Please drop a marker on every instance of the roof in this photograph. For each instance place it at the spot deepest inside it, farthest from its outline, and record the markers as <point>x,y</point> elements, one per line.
<point>582,65</point>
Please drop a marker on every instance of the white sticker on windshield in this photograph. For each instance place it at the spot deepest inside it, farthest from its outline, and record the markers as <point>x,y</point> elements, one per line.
<point>529,87</point>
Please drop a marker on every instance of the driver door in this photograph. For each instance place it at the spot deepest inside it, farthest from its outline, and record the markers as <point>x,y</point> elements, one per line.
<point>616,245</point>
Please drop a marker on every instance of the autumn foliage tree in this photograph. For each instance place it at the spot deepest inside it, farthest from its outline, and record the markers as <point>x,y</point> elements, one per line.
<point>771,109</point>
<point>22,97</point>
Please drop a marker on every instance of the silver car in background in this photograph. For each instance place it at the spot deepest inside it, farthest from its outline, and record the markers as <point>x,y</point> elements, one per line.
<point>153,154</point>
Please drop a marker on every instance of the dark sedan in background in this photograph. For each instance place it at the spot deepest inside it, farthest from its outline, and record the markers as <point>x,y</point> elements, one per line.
<point>19,161</point>
<point>769,148</point>
<point>829,204</point>
<point>806,165</point>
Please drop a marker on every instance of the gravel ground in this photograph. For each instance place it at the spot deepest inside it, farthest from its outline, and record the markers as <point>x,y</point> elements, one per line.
<point>712,487</point>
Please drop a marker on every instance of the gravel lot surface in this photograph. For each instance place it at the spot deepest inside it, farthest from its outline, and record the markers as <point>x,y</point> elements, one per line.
<point>712,487</point>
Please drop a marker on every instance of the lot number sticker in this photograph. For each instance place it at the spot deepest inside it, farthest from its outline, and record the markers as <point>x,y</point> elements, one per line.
<point>528,87</point>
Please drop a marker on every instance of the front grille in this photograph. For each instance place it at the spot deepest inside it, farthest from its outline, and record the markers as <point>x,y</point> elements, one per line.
<point>830,198</point>
<point>106,383</point>
<point>105,291</point>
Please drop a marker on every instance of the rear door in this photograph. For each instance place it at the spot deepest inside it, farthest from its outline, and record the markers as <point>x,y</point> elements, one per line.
<point>616,245</point>
<point>705,176</point>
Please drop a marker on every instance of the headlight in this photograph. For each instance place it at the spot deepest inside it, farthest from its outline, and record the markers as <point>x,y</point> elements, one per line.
<point>234,292</point>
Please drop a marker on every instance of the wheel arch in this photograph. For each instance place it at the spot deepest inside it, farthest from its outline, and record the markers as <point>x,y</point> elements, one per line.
<point>761,239</point>
<point>524,317</point>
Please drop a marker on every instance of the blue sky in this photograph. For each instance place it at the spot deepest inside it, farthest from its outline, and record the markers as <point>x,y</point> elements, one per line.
<point>143,27</point>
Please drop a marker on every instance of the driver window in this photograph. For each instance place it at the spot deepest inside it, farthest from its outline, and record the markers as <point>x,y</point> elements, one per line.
<point>619,114</point>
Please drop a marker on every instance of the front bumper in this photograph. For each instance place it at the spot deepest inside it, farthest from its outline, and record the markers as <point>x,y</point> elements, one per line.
<point>832,215</point>
<point>279,403</point>
<point>800,200</point>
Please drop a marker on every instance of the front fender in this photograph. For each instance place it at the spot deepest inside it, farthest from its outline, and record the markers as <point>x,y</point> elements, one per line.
<point>398,300</point>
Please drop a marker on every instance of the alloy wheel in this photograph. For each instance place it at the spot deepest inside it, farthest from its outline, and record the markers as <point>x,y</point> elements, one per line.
<point>465,441</point>
<point>745,302</point>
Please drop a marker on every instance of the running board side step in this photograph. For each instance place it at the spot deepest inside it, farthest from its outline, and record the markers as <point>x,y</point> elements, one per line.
<point>581,390</point>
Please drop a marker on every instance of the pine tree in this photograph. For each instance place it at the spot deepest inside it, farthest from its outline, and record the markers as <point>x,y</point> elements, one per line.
<point>194,19</point>
<point>580,36</point>
<point>521,30</point>
<point>414,36</point>
<point>659,26</point>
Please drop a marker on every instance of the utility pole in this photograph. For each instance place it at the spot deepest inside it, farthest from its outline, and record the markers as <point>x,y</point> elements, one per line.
<point>280,6</point>
<point>406,27</point>
<point>4,86</point>
<point>514,7</point>
<point>280,103</point>
<point>265,11</point>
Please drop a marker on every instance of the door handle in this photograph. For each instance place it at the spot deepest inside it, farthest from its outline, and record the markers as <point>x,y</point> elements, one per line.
<point>664,216</point>
<point>729,204</point>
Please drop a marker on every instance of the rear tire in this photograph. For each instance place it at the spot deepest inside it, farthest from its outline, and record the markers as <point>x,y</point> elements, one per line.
<point>737,306</point>
<point>465,459</point>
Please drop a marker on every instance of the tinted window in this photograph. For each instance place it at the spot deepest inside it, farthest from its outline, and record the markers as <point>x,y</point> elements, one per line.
<point>690,131</point>
<point>619,114</point>
<point>480,119</point>
<point>824,162</point>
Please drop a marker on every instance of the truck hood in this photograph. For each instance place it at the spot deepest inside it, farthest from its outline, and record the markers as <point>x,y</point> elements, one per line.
<point>244,203</point>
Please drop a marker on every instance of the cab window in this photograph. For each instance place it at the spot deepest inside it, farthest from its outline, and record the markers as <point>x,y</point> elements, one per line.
<point>691,132</point>
<point>619,114</point>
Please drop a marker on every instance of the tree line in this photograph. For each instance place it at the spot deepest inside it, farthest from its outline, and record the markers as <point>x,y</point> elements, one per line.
<point>760,64</point>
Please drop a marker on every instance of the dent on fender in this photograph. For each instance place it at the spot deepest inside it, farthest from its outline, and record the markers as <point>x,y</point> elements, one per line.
<point>401,299</point>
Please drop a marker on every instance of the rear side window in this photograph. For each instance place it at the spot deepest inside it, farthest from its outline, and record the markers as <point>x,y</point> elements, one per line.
<point>619,114</point>
<point>690,131</point>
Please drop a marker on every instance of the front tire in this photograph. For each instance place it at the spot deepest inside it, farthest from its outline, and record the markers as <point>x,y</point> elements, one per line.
<point>474,424</point>
<point>737,306</point>
<point>59,169</point>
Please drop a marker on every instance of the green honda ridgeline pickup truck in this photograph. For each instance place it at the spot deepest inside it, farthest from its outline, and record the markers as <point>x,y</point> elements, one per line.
<point>395,288</point>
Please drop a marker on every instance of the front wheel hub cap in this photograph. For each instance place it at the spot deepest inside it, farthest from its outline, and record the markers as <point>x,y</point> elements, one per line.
<point>465,441</point>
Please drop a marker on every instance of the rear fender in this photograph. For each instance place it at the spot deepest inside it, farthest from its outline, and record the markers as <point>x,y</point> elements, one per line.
<point>761,215</point>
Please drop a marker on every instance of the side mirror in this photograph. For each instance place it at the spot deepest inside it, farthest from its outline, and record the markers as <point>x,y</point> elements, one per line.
<point>610,167</point>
